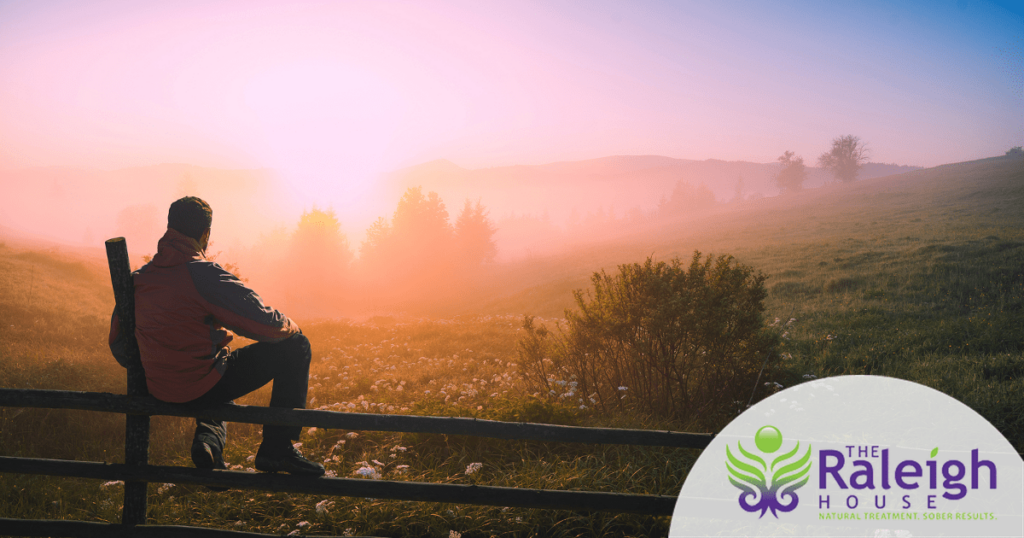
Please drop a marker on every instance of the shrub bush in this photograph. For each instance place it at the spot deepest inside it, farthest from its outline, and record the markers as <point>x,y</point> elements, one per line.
<point>684,343</point>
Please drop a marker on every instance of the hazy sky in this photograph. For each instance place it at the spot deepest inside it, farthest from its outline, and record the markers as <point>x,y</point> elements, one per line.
<point>332,93</point>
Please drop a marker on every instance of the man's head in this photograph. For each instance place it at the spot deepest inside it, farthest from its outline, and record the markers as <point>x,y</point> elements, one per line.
<point>191,216</point>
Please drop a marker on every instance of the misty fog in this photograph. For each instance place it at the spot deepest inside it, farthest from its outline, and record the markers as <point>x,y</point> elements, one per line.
<point>411,239</point>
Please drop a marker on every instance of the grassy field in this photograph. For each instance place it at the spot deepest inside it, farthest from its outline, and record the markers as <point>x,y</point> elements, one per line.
<point>918,276</point>
<point>456,367</point>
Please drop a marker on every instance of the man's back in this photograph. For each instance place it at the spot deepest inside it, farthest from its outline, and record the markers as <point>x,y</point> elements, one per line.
<point>183,304</point>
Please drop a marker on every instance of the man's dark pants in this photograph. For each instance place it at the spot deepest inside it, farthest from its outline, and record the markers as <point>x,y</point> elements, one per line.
<point>248,369</point>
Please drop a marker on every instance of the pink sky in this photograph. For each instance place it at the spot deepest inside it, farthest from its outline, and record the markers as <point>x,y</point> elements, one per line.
<point>331,94</point>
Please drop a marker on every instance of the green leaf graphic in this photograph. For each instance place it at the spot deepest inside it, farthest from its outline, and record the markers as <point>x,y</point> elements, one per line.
<point>780,479</point>
<point>752,456</point>
<point>786,456</point>
<point>934,452</point>
<point>757,477</point>
<point>802,483</point>
<point>739,475</point>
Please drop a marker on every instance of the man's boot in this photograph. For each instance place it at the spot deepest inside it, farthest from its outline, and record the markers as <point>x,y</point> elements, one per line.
<point>207,456</point>
<point>283,457</point>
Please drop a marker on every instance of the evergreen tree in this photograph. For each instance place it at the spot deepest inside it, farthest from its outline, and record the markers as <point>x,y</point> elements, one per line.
<point>417,240</point>
<point>420,223</point>
<point>319,242</point>
<point>474,234</point>
<point>319,257</point>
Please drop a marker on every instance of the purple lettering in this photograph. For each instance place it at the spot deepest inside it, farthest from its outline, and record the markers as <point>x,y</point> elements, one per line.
<point>952,480</point>
<point>864,478</point>
<point>901,473</point>
<point>824,469</point>
<point>885,468</point>
<point>976,464</point>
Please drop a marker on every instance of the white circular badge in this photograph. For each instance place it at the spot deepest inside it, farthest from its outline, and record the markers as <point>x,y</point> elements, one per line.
<point>855,456</point>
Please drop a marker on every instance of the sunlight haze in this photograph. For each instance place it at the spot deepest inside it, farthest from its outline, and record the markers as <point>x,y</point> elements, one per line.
<point>331,95</point>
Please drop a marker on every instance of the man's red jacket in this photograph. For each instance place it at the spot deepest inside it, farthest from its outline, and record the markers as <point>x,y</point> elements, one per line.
<point>184,305</point>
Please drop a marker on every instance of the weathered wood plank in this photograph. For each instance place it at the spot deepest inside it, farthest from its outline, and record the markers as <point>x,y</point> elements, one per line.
<point>124,298</point>
<point>587,501</point>
<point>136,445</point>
<point>115,403</point>
<point>89,529</point>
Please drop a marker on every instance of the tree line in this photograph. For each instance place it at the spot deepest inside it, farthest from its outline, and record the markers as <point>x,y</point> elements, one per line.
<point>418,246</point>
<point>418,233</point>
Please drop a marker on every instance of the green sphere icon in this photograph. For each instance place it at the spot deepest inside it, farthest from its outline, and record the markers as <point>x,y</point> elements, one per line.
<point>768,439</point>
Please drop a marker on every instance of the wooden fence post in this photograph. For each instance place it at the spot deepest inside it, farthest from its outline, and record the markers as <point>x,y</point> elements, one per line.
<point>136,438</point>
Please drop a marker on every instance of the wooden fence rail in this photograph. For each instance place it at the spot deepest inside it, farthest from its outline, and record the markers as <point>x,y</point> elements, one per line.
<point>658,505</point>
<point>136,472</point>
<point>410,491</point>
<point>135,405</point>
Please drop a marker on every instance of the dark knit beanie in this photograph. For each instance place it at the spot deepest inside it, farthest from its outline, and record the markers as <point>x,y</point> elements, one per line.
<point>190,216</point>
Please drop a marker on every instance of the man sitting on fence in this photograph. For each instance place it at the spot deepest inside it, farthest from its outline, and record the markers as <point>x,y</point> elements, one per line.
<point>183,304</point>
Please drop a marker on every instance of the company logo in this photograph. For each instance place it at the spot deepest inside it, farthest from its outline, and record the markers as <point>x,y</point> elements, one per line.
<point>751,472</point>
<point>855,456</point>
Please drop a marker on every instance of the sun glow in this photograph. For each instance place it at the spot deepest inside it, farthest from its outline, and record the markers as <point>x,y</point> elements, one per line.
<point>326,126</point>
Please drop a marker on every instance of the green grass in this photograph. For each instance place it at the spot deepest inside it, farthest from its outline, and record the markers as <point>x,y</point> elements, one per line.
<point>918,276</point>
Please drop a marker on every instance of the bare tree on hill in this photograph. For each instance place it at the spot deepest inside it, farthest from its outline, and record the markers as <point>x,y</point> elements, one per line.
<point>845,158</point>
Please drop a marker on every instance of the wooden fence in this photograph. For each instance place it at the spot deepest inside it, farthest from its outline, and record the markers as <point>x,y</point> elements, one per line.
<point>136,472</point>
